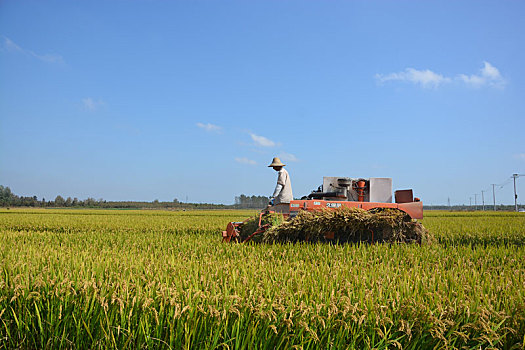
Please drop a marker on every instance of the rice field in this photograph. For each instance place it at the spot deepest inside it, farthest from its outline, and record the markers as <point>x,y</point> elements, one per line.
<point>158,279</point>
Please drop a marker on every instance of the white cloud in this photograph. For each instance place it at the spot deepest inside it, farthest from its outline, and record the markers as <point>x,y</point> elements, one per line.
<point>488,75</point>
<point>288,157</point>
<point>11,46</point>
<point>244,160</point>
<point>210,127</point>
<point>262,141</point>
<point>425,78</point>
<point>520,156</point>
<point>49,58</point>
<point>91,104</point>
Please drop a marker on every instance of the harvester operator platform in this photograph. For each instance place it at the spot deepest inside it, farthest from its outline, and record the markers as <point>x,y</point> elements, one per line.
<point>280,200</point>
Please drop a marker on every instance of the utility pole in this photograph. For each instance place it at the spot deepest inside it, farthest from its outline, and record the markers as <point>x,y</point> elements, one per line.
<point>483,199</point>
<point>470,198</point>
<point>476,200</point>
<point>515,176</point>
<point>494,196</point>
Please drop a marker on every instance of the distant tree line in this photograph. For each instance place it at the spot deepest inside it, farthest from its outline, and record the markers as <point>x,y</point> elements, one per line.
<point>9,199</point>
<point>253,202</point>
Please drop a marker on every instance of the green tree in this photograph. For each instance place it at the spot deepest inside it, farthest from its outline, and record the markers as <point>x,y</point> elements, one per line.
<point>6,196</point>
<point>59,201</point>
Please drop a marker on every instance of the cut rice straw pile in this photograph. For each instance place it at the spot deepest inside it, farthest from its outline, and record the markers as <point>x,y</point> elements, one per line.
<point>349,225</point>
<point>252,224</point>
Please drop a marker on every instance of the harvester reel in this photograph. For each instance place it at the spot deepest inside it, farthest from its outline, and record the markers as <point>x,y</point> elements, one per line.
<point>231,234</point>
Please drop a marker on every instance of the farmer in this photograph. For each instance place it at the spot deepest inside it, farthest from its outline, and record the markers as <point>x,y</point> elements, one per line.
<point>282,195</point>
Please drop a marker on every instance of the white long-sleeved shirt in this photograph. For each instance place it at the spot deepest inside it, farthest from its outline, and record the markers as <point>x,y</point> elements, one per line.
<point>283,189</point>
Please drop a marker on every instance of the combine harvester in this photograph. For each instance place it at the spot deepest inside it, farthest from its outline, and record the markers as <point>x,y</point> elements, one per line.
<point>350,210</point>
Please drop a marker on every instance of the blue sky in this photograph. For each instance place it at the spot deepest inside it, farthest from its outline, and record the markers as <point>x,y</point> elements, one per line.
<point>143,100</point>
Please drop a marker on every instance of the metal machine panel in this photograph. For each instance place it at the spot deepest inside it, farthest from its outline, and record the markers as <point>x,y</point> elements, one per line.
<point>404,196</point>
<point>381,189</point>
<point>330,184</point>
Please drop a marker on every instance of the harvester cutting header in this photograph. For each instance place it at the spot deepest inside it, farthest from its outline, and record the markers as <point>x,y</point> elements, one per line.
<point>356,195</point>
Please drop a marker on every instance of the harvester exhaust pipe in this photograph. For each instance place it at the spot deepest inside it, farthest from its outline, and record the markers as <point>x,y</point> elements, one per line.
<point>361,186</point>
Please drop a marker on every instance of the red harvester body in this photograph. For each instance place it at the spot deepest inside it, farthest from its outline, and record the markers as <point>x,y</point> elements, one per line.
<point>341,192</point>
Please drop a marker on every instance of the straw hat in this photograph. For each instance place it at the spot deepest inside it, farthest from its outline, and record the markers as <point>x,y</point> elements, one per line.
<point>276,162</point>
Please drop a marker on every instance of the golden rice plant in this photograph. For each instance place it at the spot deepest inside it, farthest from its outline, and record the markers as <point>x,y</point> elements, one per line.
<point>131,279</point>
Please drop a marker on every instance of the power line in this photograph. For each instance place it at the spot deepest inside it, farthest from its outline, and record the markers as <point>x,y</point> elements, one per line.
<point>505,183</point>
